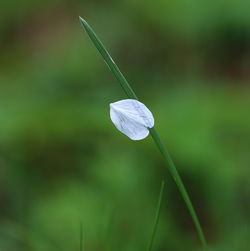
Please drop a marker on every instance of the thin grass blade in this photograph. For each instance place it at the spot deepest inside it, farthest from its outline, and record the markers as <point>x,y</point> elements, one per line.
<point>130,93</point>
<point>81,236</point>
<point>157,216</point>
<point>108,60</point>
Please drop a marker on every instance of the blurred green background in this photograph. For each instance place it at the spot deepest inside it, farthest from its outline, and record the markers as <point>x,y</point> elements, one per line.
<point>62,161</point>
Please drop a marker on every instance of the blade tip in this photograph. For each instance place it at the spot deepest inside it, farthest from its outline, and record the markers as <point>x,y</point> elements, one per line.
<point>83,21</point>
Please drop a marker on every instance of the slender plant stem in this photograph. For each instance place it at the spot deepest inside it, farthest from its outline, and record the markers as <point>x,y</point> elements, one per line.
<point>130,93</point>
<point>157,216</point>
<point>81,236</point>
<point>108,60</point>
<point>179,183</point>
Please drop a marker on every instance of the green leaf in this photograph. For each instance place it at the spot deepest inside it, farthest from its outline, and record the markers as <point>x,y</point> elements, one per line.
<point>130,93</point>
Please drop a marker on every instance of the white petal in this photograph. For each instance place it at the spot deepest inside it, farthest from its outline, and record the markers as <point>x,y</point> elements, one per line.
<point>132,118</point>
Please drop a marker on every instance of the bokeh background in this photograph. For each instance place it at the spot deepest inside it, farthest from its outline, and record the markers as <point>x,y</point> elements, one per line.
<point>62,162</point>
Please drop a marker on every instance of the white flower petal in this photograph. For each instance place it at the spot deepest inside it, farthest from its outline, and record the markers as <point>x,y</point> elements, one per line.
<point>132,118</point>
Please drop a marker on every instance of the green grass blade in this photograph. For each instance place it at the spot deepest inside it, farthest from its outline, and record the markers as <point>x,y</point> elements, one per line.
<point>179,183</point>
<point>130,93</point>
<point>157,216</point>
<point>81,236</point>
<point>108,59</point>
